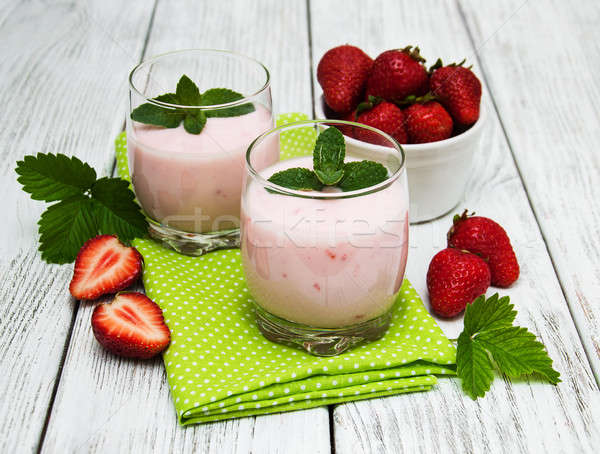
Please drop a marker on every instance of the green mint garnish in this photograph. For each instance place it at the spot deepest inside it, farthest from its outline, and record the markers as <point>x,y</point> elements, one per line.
<point>223,96</point>
<point>362,174</point>
<point>329,168</point>
<point>194,119</point>
<point>86,206</point>
<point>328,156</point>
<point>297,178</point>
<point>489,331</point>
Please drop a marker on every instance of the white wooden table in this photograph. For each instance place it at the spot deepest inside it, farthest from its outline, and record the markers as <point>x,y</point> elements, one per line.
<point>63,70</point>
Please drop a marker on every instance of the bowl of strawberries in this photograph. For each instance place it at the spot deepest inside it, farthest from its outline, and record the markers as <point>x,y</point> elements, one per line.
<point>434,113</point>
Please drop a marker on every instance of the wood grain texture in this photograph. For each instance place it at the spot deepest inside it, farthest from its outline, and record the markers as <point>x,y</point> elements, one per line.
<point>106,404</point>
<point>550,117</point>
<point>59,94</point>
<point>516,415</point>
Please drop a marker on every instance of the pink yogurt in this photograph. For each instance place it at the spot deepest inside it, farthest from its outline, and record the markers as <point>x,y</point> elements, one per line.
<point>324,263</point>
<point>194,182</point>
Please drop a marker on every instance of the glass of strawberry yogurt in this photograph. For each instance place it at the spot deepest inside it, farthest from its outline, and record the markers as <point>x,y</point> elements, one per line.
<point>193,114</point>
<point>324,266</point>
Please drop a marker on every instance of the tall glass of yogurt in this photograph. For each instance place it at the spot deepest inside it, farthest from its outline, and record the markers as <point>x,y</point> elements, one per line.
<point>189,185</point>
<point>324,267</point>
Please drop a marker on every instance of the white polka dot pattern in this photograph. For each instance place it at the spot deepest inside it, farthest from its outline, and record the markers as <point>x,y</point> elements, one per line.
<point>219,366</point>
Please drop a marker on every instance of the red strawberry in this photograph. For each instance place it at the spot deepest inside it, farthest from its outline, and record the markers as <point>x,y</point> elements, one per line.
<point>131,326</point>
<point>486,238</point>
<point>398,73</point>
<point>428,122</point>
<point>459,90</point>
<point>342,73</point>
<point>381,115</point>
<point>454,279</point>
<point>104,265</point>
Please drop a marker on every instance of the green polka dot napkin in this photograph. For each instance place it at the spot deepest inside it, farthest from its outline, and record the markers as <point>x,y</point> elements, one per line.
<point>219,366</point>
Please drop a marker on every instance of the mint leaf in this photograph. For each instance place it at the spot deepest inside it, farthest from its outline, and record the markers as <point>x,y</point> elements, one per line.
<point>187,92</point>
<point>152,114</point>
<point>489,331</point>
<point>328,156</point>
<point>362,174</point>
<point>473,366</point>
<point>517,352</point>
<point>216,96</point>
<point>116,210</point>
<point>64,227</point>
<point>194,124</point>
<point>51,177</point>
<point>297,178</point>
<point>169,98</point>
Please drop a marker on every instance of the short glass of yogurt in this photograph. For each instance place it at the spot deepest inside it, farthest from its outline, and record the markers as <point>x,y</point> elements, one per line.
<point>324,266</point>
<point>193,114</point>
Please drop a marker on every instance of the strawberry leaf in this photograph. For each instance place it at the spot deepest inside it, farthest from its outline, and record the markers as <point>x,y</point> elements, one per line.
<point>117,213</point>
<point>64,227</point>
<point>52,177</point>
<point>489,331</point>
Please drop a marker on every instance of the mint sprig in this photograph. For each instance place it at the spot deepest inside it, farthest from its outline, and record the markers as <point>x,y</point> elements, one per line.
<point>187,93</point>
<point>489,338</point>
<point>330,169</point>
<point>86,206</point>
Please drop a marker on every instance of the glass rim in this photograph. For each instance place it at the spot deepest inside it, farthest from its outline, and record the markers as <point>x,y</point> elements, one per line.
<point>238,55</point>
<point>325,195</point>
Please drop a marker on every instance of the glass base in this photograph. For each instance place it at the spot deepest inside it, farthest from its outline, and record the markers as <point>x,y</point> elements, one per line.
<point>194,244</point>
<point>321,341</point>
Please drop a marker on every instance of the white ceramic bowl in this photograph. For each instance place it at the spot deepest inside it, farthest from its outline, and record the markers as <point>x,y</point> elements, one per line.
<point>437,171</point>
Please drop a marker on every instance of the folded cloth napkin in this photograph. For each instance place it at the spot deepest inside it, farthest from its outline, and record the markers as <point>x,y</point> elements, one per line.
<point>218,364</point>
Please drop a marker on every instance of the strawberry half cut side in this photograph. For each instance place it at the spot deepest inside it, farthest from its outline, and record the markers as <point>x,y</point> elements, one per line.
<point>104,265</point>
<point>131,326</point>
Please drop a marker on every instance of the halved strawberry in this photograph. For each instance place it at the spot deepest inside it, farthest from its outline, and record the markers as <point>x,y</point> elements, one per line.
<point>104,265</point>
<point>131,326</point>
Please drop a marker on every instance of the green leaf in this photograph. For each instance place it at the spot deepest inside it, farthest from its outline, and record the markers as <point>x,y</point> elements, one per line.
<point>152,114</point>
<point>116,210</point>
<point>328,156</point>
<point>54,177</point>
<point>362,174</point>
<point>194,124</point>
<point>517,352</point>
<point>473,366</point>
<point>216,96</point>
<point>488,314</point>
<point>489,331</point>
<point>187,92</point>
<point>297,178</point>
<point>64,227</point>
<point>169,98</point>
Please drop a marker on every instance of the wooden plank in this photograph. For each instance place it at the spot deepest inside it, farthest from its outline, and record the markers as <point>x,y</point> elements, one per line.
<point>59,95</point>
<point>516,415</point>
<point>550,132</point>
<point>105,404</point>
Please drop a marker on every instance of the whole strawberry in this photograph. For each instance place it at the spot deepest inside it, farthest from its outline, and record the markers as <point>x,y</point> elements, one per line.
<point>342,73</point>
<point>398,73</point>
<point>486,238</point>
<point>427,122</point>
<point>459,90</point>
<point>454,279</point>
<point>382,115</point>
